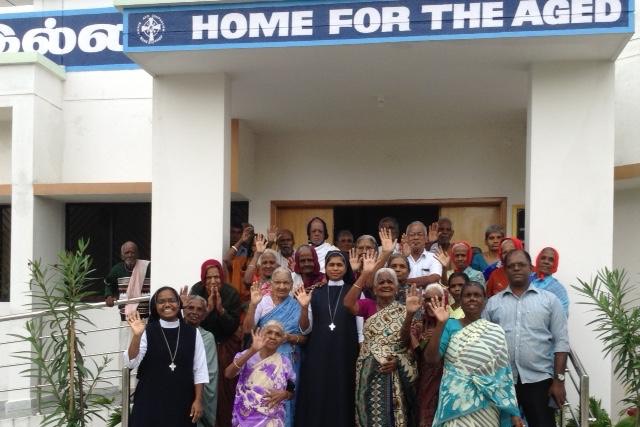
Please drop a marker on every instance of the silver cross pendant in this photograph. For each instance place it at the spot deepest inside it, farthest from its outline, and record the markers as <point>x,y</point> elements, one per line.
<point>172,366</point>
<point>332,326</point>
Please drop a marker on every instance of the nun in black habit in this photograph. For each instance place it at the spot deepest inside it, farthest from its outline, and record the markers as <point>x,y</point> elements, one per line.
<point>326,393</point>
<point>171,362</point>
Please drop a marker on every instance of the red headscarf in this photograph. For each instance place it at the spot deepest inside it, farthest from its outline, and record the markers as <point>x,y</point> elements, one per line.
<point>207,265</point>
<point>316,276</point>
<point>554,267</point>
<point>469,253</point>
<point>516,242</point>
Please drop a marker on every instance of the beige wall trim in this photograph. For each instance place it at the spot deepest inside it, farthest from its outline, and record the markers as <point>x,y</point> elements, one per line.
<point>626,171</point>
<point>5,189</point>
<point>92,188</point>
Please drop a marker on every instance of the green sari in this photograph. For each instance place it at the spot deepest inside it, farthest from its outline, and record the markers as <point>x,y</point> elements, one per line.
<point>385,399</point>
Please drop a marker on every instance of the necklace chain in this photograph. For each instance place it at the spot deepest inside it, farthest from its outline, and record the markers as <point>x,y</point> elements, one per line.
<point>335,309</point>
<point>175,352</point>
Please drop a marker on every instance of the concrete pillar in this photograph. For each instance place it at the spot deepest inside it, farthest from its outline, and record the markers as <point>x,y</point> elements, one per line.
<point>190,172</point>
<point>569,194</point>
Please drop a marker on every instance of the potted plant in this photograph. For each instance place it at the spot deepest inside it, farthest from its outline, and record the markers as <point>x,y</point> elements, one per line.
<point>69,390</point>
<point>617,323</point>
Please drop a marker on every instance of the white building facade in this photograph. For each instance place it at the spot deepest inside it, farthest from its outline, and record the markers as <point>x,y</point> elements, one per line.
<point>189,105</point>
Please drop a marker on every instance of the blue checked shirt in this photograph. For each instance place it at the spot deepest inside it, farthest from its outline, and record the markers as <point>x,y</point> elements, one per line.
<point>535,327</point>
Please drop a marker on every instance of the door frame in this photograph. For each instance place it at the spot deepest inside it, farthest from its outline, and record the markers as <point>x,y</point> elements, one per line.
<point>500,202</point>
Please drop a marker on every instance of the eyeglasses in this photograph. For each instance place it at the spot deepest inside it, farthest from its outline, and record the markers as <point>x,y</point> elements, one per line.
<point>166,301</point>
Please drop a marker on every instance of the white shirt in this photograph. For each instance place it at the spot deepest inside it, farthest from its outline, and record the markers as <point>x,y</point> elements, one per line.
<point>322,251</point>
<point>426,265</point>
<point>200,370</point>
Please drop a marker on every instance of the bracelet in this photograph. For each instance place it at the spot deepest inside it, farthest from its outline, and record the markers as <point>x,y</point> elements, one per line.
<point>234,248</point>
<point>359,287</point>
<point>251,265</point>
<point>235,364</point>
<point>297,339</point>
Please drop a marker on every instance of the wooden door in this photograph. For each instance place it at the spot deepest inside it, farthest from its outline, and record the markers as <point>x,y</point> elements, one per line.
<point>470,222</point>
<point>296,219</point>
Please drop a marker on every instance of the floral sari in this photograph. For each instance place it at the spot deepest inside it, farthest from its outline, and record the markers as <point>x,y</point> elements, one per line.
<point>385,399</point>
<point>287,313</point>
<point>256,378</point>
<point>477,386</point>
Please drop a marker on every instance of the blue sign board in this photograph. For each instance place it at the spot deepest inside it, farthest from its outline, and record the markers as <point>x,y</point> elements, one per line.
<point>339,22</point>
<point>77,39</point>
<point>94,38</point>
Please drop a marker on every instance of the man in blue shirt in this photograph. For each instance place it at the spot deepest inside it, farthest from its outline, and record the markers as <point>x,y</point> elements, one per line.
<point>536,331</point>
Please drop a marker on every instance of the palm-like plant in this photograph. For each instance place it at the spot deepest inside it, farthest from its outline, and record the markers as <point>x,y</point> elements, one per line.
<point>69,386</point>
<point>617,323</point>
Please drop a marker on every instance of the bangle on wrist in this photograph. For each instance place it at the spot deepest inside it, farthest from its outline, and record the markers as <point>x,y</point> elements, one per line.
<point>235,364</point>
<point>359,287</point>
<point>234,248</point>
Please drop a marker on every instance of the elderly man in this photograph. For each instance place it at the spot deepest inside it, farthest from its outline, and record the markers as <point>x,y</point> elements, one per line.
<point>136,269</point>
<point>285,243</point>
<point>195,311</point>
<point>445,233</point>
<point>318,235</point>
<point>536,331</point>
<point>390,223</point>
<point>424,267</point>
<point>344,240</point>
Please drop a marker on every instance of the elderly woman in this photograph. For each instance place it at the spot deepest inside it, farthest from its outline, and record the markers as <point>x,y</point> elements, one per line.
<point>171,362</point>
<point>364,244</point>
<point>493,235</point>
<point>477,385</point>
<point>461,256</point>
<point>429,374</point>
<point>222,321</point>
<point>266,380</point>
<point>327,374</point>
<point>261,266</point>
<point>307,269</point>
<point>280,306</point>
<point>546,264</point>
<point>400,265</point>
<point>385,370</point>
<point>498,280</point>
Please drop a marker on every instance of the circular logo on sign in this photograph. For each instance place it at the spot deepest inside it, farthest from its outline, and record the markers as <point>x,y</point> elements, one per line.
<point>150,29</point>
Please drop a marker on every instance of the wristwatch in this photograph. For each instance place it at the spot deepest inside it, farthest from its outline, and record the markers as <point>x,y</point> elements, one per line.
<point>559,377</point>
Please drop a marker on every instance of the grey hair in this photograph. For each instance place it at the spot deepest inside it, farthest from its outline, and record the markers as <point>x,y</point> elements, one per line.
<point>437,286</point>
<point>420,223</point>
<point>125,244</point>
<point>493,228</point>
<point>274,323</point>
<point>197,298</point>
<point>270,252</point>
<point>388,271</point>
<point>283,270</point>
<point>368,237</point>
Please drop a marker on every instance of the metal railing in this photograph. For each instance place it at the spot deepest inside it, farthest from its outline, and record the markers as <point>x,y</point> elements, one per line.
<point>580,381</point>
<point>124,375</point>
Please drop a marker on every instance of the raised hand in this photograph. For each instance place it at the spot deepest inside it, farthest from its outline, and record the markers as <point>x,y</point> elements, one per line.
<point>261,243</point>
<point>354,260</point>
<point>258,340</point>
<point>218,301</point>
<point>432,232</point>
<point>184,295</point>
<point>440,311</point>
<point>256,294</point>
<point>247,235</point>
<point>136,323</point>
<point>388,244</point>
<point>413,302</point>
<point>404,243</point>
<point>442,257</point>
<point>369,261</point>
<point>272,234</point>
<point>302,296</point>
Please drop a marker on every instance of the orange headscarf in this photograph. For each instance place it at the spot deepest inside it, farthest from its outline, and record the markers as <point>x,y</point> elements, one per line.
<point>516,242</point>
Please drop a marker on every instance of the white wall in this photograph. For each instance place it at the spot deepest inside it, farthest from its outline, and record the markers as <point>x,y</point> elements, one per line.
<point>5,151</point>
<point>626,235</point>
<point>246,160</point>
<point>107,127</point>
<point>440,163</point>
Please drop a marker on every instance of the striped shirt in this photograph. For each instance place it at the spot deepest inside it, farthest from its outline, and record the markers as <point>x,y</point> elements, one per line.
<point>535,327</point>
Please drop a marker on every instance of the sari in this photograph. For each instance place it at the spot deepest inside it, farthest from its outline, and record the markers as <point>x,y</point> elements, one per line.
<point>256,378</point>
<point>385,399</point>
<point>477,386</point>
<point>287,313</point>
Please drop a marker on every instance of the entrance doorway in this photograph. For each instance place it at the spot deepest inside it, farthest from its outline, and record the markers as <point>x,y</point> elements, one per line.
<point>470,217</point>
